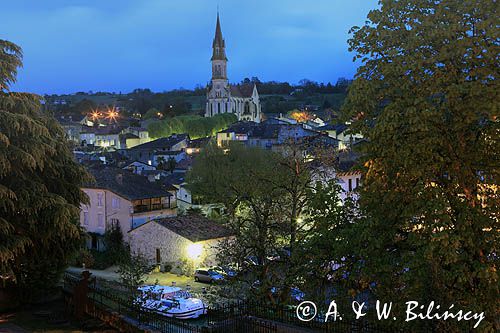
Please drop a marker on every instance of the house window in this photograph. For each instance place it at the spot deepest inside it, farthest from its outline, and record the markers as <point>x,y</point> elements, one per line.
<point>115,202</point>
<point>158,256</point>
<point>155,203</point>
<point>357,182</point>
<point>99,199</point>
<point>100,220</point>
<point>350,184</point>
<point>85,218</point>
<point>115,222</point>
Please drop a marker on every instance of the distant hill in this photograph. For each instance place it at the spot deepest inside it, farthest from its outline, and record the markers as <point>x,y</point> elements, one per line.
<point>276,97</point>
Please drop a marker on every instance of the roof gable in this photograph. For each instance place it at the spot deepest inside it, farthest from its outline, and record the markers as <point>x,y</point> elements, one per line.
<point>193,227</point>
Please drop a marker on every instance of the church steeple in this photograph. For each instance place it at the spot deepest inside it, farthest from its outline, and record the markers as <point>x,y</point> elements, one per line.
<point>218,45</point>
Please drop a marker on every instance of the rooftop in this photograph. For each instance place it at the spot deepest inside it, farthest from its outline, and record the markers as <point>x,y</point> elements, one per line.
<point>242,90</point>
<point>124,183</point>
<point>162,143</point>
<point>194,227</point>
<point>240,127</point>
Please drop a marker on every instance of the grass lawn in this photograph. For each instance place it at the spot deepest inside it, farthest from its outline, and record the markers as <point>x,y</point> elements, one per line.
<point>165,279</point>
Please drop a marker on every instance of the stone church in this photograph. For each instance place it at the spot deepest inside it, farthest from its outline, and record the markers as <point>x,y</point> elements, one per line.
<point>222,97</point>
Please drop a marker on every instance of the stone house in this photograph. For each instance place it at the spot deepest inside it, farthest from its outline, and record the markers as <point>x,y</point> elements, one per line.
<point>120,197</point>
<point>171,240</point>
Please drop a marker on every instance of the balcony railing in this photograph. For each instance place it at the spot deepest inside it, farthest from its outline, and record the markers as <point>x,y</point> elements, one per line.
<point>152,207</point>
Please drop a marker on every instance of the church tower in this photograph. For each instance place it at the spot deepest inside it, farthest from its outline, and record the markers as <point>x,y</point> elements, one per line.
<point>243,101</point>
<point>219,60</point>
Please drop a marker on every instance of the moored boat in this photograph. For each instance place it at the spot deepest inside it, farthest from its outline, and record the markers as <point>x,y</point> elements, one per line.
<point>171,302</point>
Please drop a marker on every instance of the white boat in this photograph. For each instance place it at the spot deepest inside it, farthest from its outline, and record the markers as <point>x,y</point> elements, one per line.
<point>171,302</point>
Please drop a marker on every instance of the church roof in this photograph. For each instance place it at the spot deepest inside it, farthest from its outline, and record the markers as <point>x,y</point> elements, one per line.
<point>243,90</point>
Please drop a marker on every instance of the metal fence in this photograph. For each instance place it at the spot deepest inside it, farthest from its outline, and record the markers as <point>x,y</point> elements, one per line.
<point>240,316</point>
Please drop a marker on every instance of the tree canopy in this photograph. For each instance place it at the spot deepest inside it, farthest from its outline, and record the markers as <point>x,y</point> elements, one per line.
<point>195,126</point>
<point>265,195</point>
<point>426,100</point>
<point>40,192</point>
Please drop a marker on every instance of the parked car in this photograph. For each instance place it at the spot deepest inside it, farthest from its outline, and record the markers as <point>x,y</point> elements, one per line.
<point>207,275</point>
<point>224,271</point>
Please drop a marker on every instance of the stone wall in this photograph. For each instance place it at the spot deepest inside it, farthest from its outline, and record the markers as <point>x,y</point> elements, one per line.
<point>146,239</point>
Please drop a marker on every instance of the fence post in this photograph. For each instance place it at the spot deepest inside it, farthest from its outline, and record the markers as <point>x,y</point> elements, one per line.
<point>81,295</point>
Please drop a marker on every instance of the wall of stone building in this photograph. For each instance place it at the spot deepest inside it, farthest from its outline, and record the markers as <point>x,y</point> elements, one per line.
<point>147,238</point>
<point>173,247</point>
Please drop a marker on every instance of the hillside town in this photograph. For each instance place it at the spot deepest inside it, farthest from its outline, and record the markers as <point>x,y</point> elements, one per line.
<point>243,205</point>
<point>141,180</point>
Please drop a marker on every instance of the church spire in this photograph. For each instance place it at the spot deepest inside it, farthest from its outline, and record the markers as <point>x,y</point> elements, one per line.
<point>218,45</point>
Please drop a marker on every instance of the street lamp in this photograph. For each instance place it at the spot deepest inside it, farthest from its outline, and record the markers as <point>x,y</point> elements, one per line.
<point>194,251</point>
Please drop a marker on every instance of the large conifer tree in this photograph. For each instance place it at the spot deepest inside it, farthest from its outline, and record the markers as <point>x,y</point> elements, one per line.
<point>426,99</point>
<point>39,187</point>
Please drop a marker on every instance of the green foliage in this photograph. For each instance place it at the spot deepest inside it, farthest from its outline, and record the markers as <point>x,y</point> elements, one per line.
<point>264,195</point>
<point>84,107</point>
<point>86,259</point>
<point>40,192</point>
<point>10,59</point>
<point>168,165</point>
<point>151,114</point>
<point>195,126</point>
<point>426,99</point>
<point>116,250</point>
<point>133,271</point>
<point>328,241</point>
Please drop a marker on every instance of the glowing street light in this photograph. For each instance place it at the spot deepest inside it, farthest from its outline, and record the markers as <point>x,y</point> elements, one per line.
<point>112,114</point>
<point>94,115</point>
<point>194,251</point>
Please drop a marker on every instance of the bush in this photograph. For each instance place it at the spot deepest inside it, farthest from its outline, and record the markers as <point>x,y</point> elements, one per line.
<point>102,259</point>
<point>167,267</point>
<point>87,259</point>
<point>133,271</point>
<point>184,267</point>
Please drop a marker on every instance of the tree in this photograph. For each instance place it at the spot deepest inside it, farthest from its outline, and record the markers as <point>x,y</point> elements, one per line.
<point>40,192</point>
<point>426,100</point>
<point>116,250</point>
<point>326,249</point>
<point>152,113</point>
<point>265,194</point>
<point>133,271</point>
<point>84,107</point>
<point>167,165</point>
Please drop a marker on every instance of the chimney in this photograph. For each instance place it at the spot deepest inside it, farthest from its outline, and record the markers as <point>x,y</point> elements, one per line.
<point>119,178</point>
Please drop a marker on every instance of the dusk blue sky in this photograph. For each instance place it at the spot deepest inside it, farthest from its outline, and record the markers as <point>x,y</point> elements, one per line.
<point>120,45</point>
